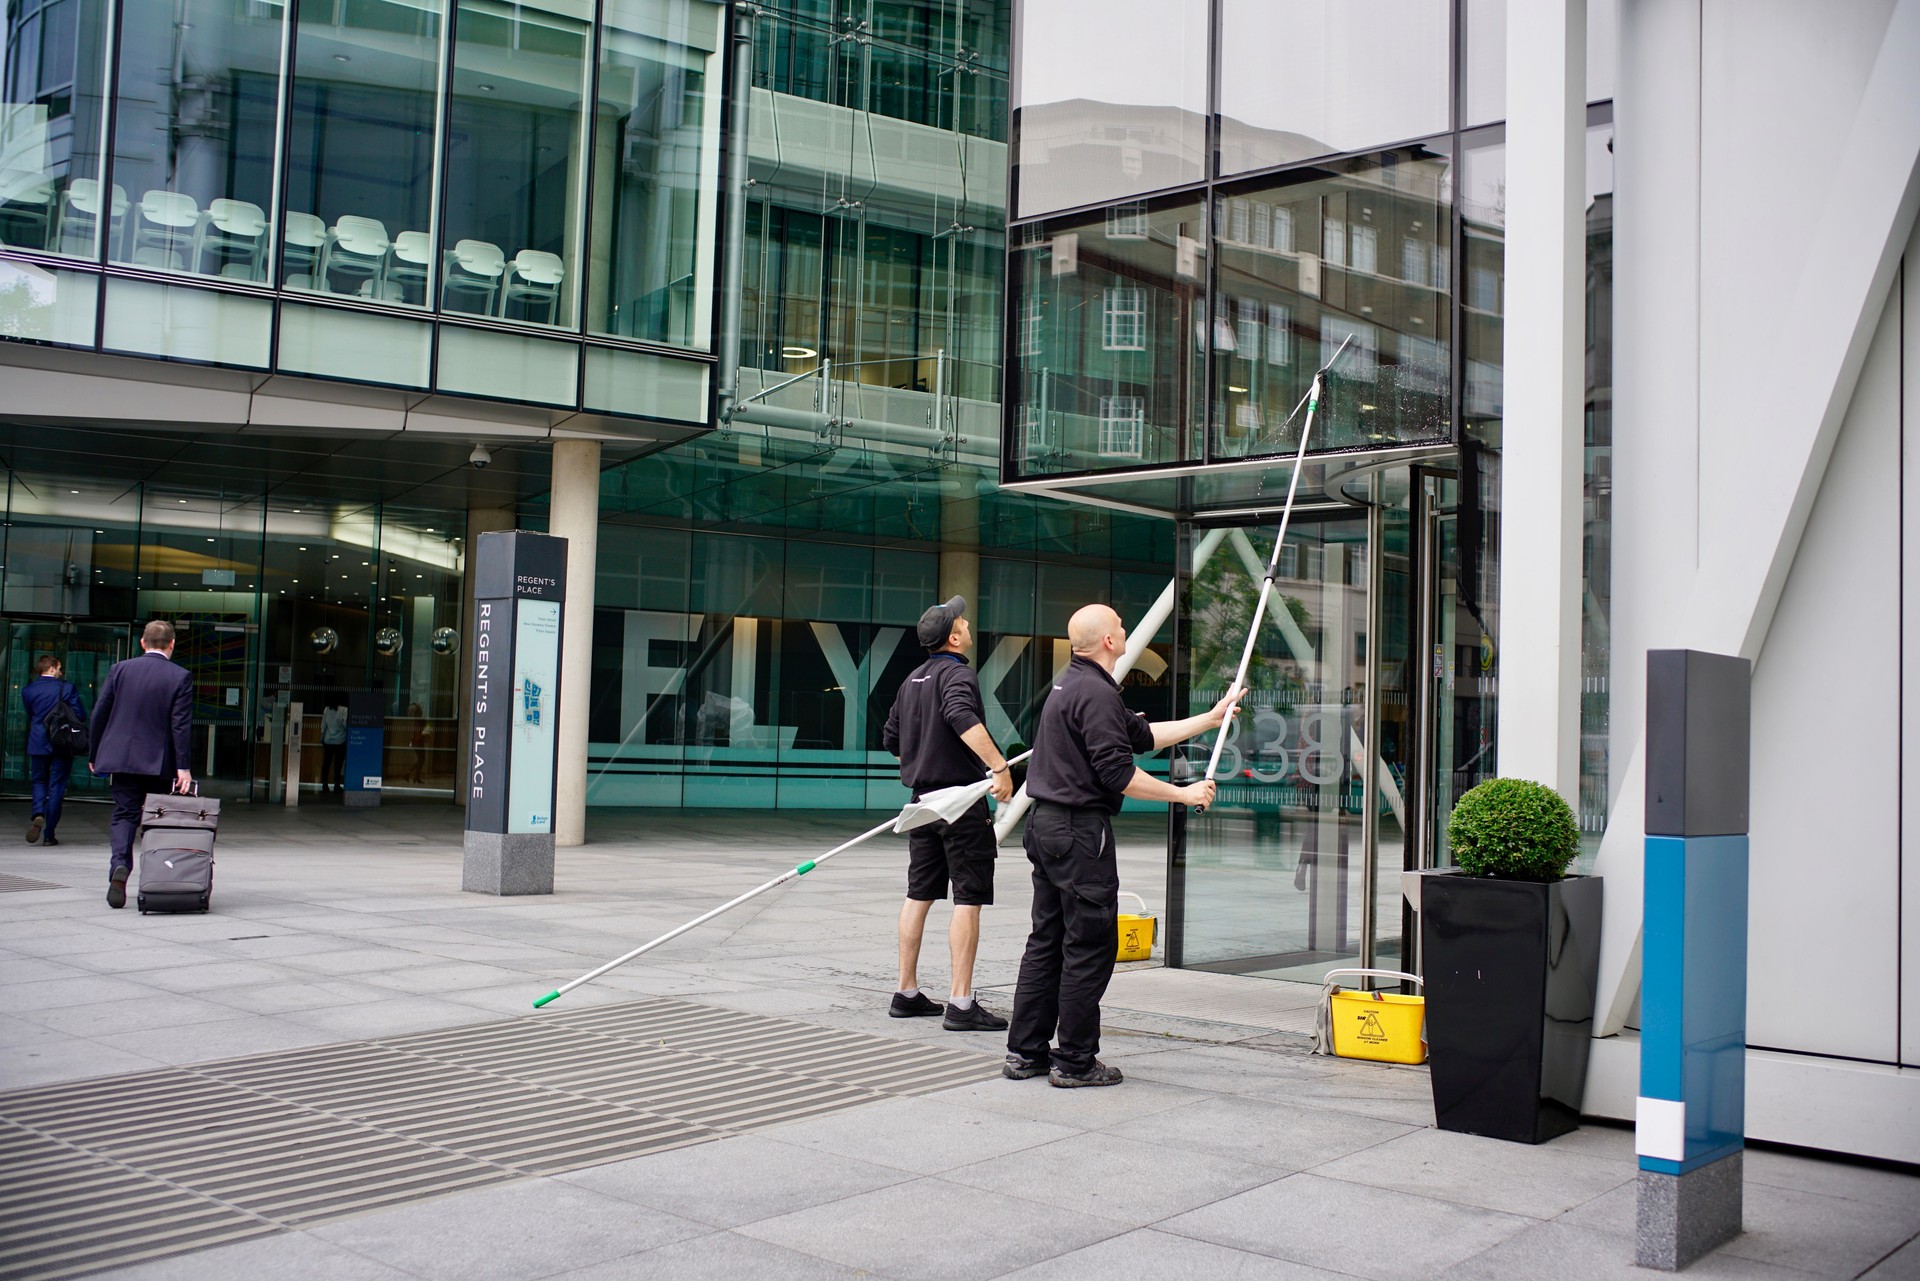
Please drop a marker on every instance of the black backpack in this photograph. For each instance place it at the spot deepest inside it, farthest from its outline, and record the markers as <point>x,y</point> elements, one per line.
<point>66,729</point>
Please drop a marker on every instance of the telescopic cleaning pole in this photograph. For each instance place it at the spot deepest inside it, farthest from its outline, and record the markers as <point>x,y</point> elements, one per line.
<point>1273,562</point>
<point>944,805</point>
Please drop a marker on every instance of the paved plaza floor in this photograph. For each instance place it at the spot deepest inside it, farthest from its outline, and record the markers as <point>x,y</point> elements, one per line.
<point>342,937</point>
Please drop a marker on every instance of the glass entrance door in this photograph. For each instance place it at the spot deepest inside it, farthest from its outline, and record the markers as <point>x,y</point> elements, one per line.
<point>87,650</point>
<point>1273,878</point>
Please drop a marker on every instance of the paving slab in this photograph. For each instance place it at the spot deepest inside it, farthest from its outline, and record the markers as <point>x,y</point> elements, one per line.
<point>906,1231</point>
<point>737,1180</point>
<point>521,1230</point>
<point>1343,1227</point>
<point>1166,1257</point>
<point>1540,1181</point>
<point>918,1135</point>
<point>720,1256</point>
<point>1112,1176</point>
<point>1562,1250</point>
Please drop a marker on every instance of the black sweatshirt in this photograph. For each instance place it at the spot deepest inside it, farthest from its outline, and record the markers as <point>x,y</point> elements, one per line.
<point>1084,747</point>
<point>935,706</point>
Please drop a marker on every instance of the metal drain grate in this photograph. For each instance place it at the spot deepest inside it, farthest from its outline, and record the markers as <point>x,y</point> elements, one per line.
<point>104,1173</point>
<point>9,883</point>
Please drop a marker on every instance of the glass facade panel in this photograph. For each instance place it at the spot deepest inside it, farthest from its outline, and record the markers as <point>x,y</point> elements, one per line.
<point>643,385</point>
<point>1111,100</point>
<point>52,117</point>
<point>188,324</point>
<point>1361,258</point>
<point>1484,34</point>
<point>354,345</point>
<point>363,150</point>
<point>655,171</point>
<point>516,158</point>
<point>475,362</point>
<point>1305,78</point>
<point>1119,337</point>
<point>196,128</point>
<point>1596,562</point>
<point>43,305</point>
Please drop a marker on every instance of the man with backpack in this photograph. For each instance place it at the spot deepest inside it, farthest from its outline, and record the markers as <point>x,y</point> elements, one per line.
<point>56,733</point>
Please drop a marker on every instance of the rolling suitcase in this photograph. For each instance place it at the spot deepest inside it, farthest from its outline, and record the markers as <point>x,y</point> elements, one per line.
<point>175,848</point>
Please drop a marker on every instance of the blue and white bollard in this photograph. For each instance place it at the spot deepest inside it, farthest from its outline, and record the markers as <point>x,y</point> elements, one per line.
<point>1690,1122</point>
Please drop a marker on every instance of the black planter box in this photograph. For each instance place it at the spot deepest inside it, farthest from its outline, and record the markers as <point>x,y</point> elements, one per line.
<point>1510,973</point>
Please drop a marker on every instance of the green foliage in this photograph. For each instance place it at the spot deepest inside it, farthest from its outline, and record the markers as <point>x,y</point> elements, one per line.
<point>1513,829</point>
<point>1224,595</point>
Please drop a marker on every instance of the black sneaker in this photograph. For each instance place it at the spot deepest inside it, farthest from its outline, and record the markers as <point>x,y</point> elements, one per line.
<point>1098,1074</point>
<point>975,1018</point>
<point>49,840</point>
<point>33,829</point>
<point>1020,1068</point>
<point>913,1007</point>
<point>117,887</point>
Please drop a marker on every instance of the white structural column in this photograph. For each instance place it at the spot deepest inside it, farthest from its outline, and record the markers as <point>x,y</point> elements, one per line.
<point>1543,437</point>
<point>575,517</point>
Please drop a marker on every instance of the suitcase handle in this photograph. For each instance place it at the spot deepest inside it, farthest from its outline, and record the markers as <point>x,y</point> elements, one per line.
<point>173,788</point>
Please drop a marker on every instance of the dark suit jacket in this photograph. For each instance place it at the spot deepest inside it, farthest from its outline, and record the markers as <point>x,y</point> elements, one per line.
<point>40,695</point>
<point>143,718</point>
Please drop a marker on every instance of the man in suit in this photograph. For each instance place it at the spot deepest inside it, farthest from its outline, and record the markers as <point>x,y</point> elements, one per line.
<point>142,735</point>
<point>47,769</point>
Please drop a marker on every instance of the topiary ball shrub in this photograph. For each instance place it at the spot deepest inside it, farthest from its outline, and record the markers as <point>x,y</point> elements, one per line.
<point>1513,829</point>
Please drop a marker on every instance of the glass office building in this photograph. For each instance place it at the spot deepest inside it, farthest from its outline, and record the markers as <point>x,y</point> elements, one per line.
<point>299,257</point>
<point>1193,237</point>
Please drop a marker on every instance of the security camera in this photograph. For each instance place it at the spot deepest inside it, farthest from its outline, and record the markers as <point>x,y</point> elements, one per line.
<point>480,457</point>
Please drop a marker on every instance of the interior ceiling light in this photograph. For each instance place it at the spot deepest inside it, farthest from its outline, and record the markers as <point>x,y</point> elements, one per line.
<point>73,491</point>
<point>798,353</point>
<point>341,57</point>
<point>1240,390</point>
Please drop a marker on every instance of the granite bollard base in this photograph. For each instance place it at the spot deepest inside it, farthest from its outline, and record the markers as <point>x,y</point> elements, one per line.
<point>508,863</point>
<point>1679,1217</point>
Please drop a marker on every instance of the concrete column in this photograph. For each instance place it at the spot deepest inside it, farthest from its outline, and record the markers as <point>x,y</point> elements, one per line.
<point>1543,440</point>
<point>575,517</point>
<point>480,520</point>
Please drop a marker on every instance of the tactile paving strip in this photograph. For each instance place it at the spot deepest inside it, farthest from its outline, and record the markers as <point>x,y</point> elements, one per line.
<point>9,883</point>
<point>113,1171</point>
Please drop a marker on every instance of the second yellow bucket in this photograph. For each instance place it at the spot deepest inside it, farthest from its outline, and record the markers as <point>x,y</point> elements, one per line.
<point>1136,932</point>
<point>1385,1027</point>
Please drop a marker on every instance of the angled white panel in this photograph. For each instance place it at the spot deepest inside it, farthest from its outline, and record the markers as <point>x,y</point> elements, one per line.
<point>1826,760</point>
<point>1910,662</point>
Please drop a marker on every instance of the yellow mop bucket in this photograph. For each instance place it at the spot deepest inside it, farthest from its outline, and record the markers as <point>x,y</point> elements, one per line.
<point>1136,932</point>
<point>1382,1026</point>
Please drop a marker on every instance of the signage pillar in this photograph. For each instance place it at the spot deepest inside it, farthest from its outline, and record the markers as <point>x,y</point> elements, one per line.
<point>1690,1121</point>
<point>366,747</point>
<point>519,588</point>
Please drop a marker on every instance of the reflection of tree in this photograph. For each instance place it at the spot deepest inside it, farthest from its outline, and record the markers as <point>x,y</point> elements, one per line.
<point>1224,597</point>
<point>17,304</point>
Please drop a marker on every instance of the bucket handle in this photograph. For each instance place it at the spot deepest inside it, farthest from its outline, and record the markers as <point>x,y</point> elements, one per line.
<point>1136,898</point>
<point>1326,980</point>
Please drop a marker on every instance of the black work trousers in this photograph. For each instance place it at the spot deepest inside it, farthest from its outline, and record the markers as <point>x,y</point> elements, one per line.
<point>1069,957</point>
<point>130,793</point>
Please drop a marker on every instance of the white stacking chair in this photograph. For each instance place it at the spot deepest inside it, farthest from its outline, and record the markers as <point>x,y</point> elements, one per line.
<point>534,277</point>
<point>80,211</point>
<point>356,248</point>
<point>302,237</point>
<point>412,255</point>
<point>473,269</point>
<point>232,228</point>
<point>165,224</point>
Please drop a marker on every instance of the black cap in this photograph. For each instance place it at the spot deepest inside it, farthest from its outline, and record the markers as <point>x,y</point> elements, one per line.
<point>936,625</point>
